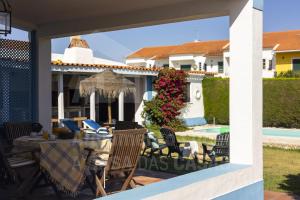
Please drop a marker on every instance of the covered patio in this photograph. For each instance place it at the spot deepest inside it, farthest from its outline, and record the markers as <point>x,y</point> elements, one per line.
<point>242,178</point>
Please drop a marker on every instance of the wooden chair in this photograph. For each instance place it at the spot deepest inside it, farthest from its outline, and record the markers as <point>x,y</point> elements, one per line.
<point>220,149</point>
<point>126,125</point>
<point>123,159</point>
<point>15,130</point>
<point>12,166</point>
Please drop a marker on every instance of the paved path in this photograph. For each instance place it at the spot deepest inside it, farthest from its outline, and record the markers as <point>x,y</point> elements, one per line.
<point>280,196</point>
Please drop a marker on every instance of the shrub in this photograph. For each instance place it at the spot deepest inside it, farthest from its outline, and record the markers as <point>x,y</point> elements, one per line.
<point>288,74</point>
<point>165,107</point>
<point>216,100</point>
<point>281,101</point>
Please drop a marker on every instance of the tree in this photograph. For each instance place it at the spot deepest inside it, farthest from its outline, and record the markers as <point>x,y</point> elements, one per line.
<point>164,108</point>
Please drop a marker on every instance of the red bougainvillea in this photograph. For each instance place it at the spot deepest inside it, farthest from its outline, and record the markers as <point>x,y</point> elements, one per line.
<point>164,108</point>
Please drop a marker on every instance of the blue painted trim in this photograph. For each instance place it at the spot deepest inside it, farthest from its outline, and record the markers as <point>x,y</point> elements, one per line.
<point>258,4</point>
<point>175,183</point>
<point>34,81</point>
<point>149,88</point>
<point>197,121</point>
<point>250,192</point>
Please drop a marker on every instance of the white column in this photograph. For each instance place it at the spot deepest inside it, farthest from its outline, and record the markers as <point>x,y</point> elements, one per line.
<point>93,106</point>
<point>246,85</point>
<point>60,103</point>
<point>44,82</point>
<point>138,98</point>
<point>121,106</point>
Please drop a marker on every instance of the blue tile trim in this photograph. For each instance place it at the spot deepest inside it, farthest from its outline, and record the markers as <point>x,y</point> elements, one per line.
<point>197,121</point>
<point>258,4</point>
<point>149,88</point>
<point>250,192</point>
<point>175,183</point>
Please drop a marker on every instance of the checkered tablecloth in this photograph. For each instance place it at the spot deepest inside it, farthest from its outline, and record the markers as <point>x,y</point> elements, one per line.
<point>64,160</point>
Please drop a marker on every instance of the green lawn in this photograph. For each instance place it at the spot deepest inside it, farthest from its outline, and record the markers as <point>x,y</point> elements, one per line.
<point>282,170</point>
<point>281,166</point>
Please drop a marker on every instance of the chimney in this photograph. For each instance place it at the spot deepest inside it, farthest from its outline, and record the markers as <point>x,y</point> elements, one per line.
<point>76,37</point>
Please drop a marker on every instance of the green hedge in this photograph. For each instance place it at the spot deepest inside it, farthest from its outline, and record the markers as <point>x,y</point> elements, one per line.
<point>281,101</point>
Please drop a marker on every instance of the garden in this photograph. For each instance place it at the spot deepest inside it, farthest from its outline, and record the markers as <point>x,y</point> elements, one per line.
<point>281,105</point>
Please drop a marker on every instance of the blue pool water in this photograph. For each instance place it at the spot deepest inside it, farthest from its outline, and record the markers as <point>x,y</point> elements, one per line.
<point>266,131</point>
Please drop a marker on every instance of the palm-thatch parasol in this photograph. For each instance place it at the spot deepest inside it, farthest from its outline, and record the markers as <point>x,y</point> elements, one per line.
<point>108,84</point>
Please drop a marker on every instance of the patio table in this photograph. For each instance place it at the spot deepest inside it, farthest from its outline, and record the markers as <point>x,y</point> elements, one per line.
<point>27,142</point>
<point>63,160</point>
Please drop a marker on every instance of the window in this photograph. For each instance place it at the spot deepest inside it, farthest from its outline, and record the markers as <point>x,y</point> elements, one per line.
<point>187,92</point>
<point>270,64</point>
<point>185,67</point>
<point>205,67</point>
<point>166,66</point>
<point>264,63</point>
<point>200,66</point>
<point>220,67</point>
<point>296,64</point>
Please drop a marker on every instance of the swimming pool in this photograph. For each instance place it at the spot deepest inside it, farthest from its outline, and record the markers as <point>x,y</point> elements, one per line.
<point>266,131</point>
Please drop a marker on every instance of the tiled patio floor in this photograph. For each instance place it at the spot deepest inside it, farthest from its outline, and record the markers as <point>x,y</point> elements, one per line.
<point>142,177</point>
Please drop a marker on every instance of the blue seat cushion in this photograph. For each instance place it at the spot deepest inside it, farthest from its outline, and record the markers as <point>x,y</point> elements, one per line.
<point>71,125</point>
<point>91,124</point>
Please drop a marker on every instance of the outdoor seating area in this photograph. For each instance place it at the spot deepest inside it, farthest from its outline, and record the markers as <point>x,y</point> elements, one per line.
<point>96,160</point>
<point>76,122</point>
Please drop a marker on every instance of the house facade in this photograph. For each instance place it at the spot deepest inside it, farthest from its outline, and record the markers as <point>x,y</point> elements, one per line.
<point>78,63</point>
<point>281,52</point>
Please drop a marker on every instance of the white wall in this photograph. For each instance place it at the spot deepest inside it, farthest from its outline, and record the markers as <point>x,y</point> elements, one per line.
<point>136,62</point>
<point>140,96</point>
<point>78,55</point>
<point>194,108</point>
<point>212,63</point>
<point>267,54</point>
<point>161,62</point>
<point>177,64</point>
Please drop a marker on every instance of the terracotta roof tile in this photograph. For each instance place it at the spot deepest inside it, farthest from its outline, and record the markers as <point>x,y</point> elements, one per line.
<point>149,52</point>
<point>201,47</point>
<point>288,40</point>
<point>152,69</point>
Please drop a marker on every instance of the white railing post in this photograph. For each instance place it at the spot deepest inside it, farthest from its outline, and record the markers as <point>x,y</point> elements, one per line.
<point>60,103</point>
<point>121,106</point>
<point>93,106</point>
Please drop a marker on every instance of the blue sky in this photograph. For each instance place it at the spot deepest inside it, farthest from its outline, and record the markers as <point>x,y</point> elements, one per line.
<point>279,15</point>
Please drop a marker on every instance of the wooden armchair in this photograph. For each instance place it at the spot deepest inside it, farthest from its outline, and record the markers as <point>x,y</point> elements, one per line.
<point>123,159</point>
<point>15,130</point>
<point>11,168</point>
<point>220,149</point>
<point>125,125</point>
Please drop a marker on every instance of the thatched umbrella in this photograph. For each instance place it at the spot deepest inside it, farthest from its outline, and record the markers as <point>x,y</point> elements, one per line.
<point>108,84</point>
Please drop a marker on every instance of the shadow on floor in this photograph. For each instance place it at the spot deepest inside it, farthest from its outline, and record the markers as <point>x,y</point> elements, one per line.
<point>292,185</point>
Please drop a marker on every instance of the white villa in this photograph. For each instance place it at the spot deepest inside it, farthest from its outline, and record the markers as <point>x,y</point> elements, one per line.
<point>208,56</point>
<point>78,62</point>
